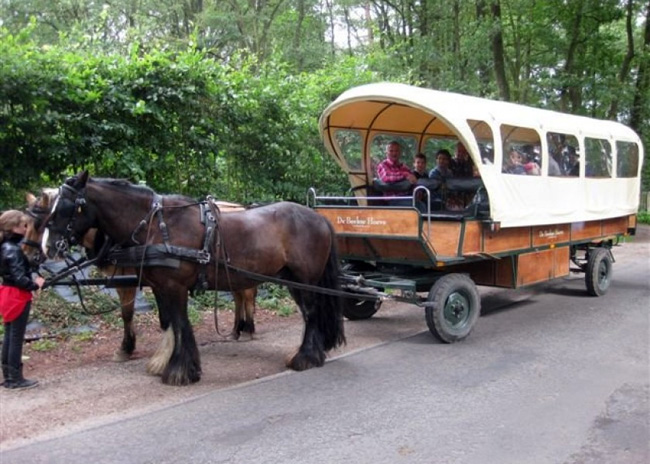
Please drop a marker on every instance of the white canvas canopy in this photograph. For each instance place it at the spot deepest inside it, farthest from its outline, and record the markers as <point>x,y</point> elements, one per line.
<point>389,108</point>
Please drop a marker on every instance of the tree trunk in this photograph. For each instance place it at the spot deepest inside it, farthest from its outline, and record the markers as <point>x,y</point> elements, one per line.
<point>483,70</point>
<point>569,98</point>
<point>369,23</point>
<point>498,53</point>
<point>640,112</point>
<point>297,36</point>
<point>627,61</point>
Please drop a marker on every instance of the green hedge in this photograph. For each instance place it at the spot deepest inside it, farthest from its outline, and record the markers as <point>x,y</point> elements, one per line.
<point>181,122</point>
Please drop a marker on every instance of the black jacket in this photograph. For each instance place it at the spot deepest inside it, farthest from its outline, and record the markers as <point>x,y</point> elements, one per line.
<point>14,266</point>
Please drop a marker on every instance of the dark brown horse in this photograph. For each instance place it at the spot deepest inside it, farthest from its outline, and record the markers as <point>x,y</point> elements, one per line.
<point>283,240</point>
<point>40,207</point>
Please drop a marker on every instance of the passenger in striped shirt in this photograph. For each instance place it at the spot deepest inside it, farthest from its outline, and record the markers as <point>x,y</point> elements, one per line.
<point>392,170</point>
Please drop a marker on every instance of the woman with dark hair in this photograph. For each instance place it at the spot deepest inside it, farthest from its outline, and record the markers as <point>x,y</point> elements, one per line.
<point>15,297</point>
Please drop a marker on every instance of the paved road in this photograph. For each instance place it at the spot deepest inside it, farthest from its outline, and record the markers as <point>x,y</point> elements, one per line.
<point>548,376</point>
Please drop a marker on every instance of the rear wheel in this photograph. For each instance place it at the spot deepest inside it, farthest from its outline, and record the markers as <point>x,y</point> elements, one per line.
<point>598,274</point>
<point>356,310</point>
<point>455,307</point>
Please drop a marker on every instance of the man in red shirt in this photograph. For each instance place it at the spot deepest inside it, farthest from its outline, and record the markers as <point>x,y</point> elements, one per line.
<point>392,170</point>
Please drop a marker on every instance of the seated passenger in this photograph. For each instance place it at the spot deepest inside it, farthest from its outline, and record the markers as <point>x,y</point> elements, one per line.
<point>532,168</point>
<point>553,166</point>
<point>512,164</point>
<point>531,160</point>
<point>392,170</point>
<point>461,165</point>
<point>420,166</point>
<point>442,170</point>
<point>573,162</point>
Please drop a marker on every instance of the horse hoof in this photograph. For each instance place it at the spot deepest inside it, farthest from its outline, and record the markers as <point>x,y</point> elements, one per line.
<point>120,356</point>
<point>302,362</point>
<point>180,380</point>
<point>156,367</point>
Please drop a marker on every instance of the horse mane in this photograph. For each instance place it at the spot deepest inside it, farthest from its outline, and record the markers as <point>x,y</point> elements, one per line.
<point>123,183</point>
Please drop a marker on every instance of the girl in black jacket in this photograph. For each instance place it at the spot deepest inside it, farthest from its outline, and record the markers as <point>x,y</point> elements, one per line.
<point>15,297</point>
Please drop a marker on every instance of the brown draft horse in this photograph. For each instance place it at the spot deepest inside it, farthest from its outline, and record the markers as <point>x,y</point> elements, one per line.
<point>283,240</point>
<point>40,207</point>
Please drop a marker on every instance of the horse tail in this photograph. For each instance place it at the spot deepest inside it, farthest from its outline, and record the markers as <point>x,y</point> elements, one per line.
<point>329,309</point>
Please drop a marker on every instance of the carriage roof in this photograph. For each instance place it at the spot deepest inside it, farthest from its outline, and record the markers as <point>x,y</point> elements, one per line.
<point>390,108</point>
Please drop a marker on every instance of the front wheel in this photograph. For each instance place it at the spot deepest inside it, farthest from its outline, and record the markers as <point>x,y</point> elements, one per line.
<point>356,310</point>
<point>454,307</point>
<point>598,274</point>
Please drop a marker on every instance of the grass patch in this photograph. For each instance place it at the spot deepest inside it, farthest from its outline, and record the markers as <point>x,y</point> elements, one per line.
<point>44,344</point>
<point>643,217</point>
<point>272,297</point>
<point>83,337</point>
<point>57,314</point>
<point>101,308</point>
<point>277,299</point>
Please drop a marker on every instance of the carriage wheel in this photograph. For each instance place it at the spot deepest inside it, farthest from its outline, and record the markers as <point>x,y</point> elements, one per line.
<point>456,306</point>
<point>356,310</point>
<point>598,274</point>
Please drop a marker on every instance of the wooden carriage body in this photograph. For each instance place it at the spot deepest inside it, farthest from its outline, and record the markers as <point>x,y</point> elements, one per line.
<point>531,228</point>
<point>510,258</point>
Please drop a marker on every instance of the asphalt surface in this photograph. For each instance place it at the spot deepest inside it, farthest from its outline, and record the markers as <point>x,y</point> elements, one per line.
<point>549,375</point>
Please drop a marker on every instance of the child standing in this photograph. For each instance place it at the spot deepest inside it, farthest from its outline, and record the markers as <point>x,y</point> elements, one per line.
<point>15,297</point>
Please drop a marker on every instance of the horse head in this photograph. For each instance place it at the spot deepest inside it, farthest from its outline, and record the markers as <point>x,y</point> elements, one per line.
<point>70,217</point>
<point>38,209</point>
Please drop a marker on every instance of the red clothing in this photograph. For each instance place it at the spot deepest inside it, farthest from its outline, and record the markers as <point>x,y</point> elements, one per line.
<point>12,302</point>
<point>389,172</point>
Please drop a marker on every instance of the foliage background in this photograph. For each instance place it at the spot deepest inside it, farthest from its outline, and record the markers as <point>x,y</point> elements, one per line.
<point>200,96</point>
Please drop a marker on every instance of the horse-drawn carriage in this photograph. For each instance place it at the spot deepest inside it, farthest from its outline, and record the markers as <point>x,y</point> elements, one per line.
<point>514,230</point>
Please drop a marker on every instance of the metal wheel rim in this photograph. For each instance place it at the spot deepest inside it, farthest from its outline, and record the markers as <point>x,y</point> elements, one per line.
<point>603,274</point>
<point>457,311</point>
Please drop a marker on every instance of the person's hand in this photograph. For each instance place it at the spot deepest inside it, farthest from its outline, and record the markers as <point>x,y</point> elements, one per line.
<point>411,178</point>
<point>39,281</point>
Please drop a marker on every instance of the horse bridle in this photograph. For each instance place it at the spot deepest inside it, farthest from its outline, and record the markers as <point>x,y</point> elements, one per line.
<point>70,237</point>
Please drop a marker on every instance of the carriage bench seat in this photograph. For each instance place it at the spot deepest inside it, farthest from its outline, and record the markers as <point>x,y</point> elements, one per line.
<point>401,186</point>
<point>463,184</point>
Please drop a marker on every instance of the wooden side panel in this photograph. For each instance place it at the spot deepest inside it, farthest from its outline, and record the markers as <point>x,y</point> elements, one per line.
<point>546,235</point>
<point>352,246</point>
<point>535,267</point>
<point>585,230</point>
<point>506,239</point>
<point>445,237</point>
<point>631,221</point>
<point>374,249</point>
<point>403,250</point>
<point>472,241</point>
<point>561,262</point>
<point>615,226</point>
<point>481,272</point>
<point>505,272</point>
<point>373,221</point>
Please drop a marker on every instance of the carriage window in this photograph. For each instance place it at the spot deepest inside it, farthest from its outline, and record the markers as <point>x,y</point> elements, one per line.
<point>350,145</point>
<point>563,155</point>
<point>627,159</point>
<point>485,139</point>
<point>433,144</point>
<point>598,156</point>
<point>521,151</point>
<point>378,149</point>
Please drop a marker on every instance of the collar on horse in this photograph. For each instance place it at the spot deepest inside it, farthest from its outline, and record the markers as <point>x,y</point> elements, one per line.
<point>156,210</point>
<point>136,254</point>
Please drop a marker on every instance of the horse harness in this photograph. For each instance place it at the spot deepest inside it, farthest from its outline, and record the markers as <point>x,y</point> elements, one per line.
<point>170,256</point>
<point>167,255</point>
